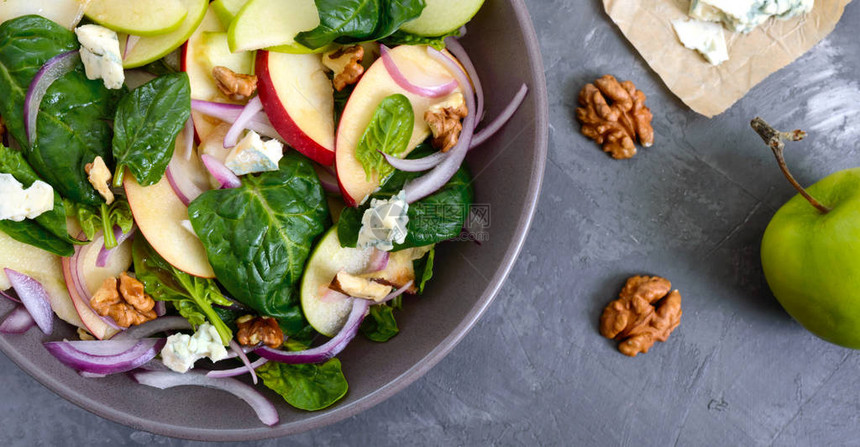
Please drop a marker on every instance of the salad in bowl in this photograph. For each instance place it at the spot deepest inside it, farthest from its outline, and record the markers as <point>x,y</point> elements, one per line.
<point>226,194</point>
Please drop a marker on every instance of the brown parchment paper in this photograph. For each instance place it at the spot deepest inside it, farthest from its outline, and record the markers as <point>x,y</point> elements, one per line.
<point>710,90</point>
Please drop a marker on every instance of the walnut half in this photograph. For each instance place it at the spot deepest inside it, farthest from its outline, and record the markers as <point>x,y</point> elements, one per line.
<point>236,86</point>
<point>345,62</point>
<point>126,302</point>
<point>614,114</point>
<point>444,120</point>
<point>99,176</point>
<point>647,310</point>
<point>254,330</point>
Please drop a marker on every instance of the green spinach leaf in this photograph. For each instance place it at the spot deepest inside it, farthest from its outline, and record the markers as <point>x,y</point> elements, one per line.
<point>424,269</point>
<point>433,219</point>
<point>389,131</point>
<point>258,236</point>
<point>350,21</point>
<point>147,122</point>
<point>73,122</point>
<point>404,38</point>
<point>104,217</point>
<point>193,297</point>
<point>380,325</point>
<point>308,387</point>
<point>47,231</point>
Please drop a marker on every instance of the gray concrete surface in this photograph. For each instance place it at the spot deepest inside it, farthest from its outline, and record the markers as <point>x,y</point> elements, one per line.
<point>534,371</point>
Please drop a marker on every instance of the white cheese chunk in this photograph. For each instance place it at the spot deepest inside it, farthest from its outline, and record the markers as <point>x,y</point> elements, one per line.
<point>384,223</point>
<point>745,15</point>
<point>182,350</point>
<point>17,203</point>
<point>705,37</point>
<point>100,55</point>
<point>253,155</point>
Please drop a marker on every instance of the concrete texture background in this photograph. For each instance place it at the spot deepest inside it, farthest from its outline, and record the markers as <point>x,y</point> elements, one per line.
<point>534,371</point>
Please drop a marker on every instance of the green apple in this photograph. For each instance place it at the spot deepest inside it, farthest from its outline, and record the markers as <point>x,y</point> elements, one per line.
<point>227,10</point>
<point>810,249</point>
<point>149,49</point>
<point>272,23</point>
<point>138,17</point>
<point>65,12</point>
<point>441,17</point>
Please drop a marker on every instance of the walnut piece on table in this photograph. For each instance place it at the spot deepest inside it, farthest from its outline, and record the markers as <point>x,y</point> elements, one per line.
<point>445,122</point>
<point>125,302</point>
<point>647,311</point>
<point>345,62</point>
<point>255,330</point>
<point>614,115</point>
<point>236,86</point>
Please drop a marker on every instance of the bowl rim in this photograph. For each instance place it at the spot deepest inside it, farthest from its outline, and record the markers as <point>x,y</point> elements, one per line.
<point>539,93</point>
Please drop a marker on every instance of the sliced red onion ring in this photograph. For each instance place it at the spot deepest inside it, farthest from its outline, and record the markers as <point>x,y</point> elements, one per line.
<point>254,106</point>
<point>160,308</point>
<point>9,297</point>
<point>328,181</point>
<point>222,173</point>
<point>156,326</point>
<point>398,292</point>
<point>130,42</point>
<point>34,298</point>
<point>431,182</point>
<point>240,370</point>
<point>435,91</point>
<point>188,139</point>
<point>141,352</point>
<point>77,274</point>
<point>324,352</point>
<point>102,348</point>
<point>230,112</point>
<point>104,253</point>
<point>456,48</point>
<point>17,322</point>
<point>503,118</point>
<point>185,189</point>
<point>415,164</point>
<point>56,67</point>
<point>244,358</point>
<point>267,412</point>
<point>378,260</point>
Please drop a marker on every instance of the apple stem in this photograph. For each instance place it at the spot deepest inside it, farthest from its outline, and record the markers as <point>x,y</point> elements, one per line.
<point>776,141</point>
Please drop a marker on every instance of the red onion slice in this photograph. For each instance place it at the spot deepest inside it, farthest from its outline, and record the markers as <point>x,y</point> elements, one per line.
<point>502,119</point>
<point>142,352</point>
<point>240,370</point>
<point>188,139</point>
<point>254,106</point>
<point>456,48</point>
<point>130,42</point>
<point>160,308</point>
<point>102,348</point>
<point>398,292</point>
<point>267,412</point>
<point>230,112</point>
<point>326,351</point>
<point>34,298</point>
<point>435,91</point>
<point>9,297</point>
<point>156,326</point>
<point>244,358</point>
<point>222,173</point>
<point>415,164</point>
<point>104,253</point>
<point>185,189</point>
<point>437,178</point>
<point>56,67</point>
<point>17,322</point>
<point>328,181</point>
<point>77,274</point>
<point>378,260</point>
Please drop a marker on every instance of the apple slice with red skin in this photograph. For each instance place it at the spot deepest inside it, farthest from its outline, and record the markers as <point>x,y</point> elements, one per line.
<point>159,213</point>
<point>377,84</point>
<point>298,98</point>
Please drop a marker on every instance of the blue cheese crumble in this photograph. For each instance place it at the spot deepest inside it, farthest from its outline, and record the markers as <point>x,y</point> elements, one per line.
<point>100,55</point>
<point>182,350</point>
<point>252,155</point>
<point>17,203</point>
<point>743,16</point>
<point>384,223</point>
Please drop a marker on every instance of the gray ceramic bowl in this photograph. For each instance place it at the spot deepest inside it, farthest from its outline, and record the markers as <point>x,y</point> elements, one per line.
<point>508,171</point>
